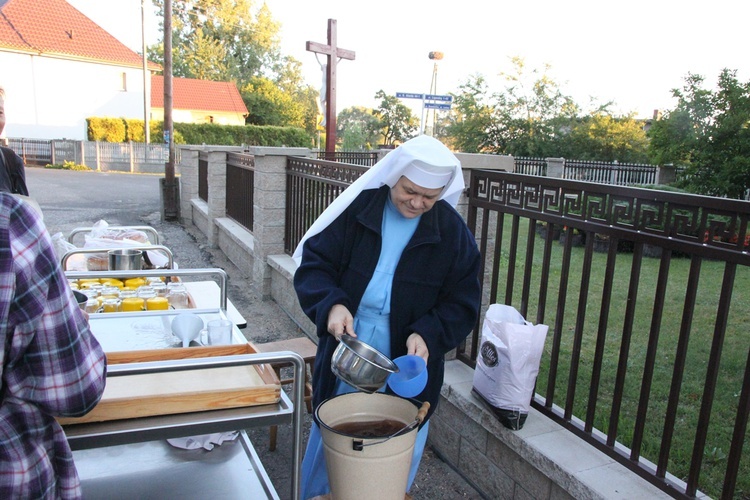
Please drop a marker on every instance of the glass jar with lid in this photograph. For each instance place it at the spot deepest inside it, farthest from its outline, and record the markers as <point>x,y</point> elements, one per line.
<point>111,304</point>
<point>177,295</point>
<point>145,292</point>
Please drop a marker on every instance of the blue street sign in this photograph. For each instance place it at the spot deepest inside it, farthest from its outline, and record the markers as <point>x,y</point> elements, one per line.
<point>407,95</point>
<point>437,105</point>
<point>433,97</point>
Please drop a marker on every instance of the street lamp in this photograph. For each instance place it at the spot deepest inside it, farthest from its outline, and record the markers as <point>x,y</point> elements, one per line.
<point>434,56</point>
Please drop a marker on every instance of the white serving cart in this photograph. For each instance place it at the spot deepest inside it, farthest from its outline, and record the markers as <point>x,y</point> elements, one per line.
<point>130,458</point>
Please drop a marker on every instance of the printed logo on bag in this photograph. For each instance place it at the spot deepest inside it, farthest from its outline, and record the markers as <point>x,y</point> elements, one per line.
<point>489,354</point>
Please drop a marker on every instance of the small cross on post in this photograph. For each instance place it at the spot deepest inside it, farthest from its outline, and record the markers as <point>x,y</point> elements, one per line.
<point>333,52</point>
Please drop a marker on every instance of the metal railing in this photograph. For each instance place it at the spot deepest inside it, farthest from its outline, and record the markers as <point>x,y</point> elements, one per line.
<point>240,188</point>
<point>647,306</point>
<point>364,158</point>
<point>530,166</point>
<point>619,174</point>
<point>311,186</point>
<point>119,156</point>
<point>203,176</point>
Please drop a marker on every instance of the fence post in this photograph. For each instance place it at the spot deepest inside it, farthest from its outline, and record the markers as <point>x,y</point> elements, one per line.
<point>269,212</point>
<point>556,167</point>
<point>217,193</point>
<point>131,157</point>
<point>666,174</point>
<point>188,183</point>
<point>98,158</point>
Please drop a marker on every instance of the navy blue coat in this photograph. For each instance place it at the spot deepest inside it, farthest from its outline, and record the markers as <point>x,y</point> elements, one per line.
<point>435,287</point>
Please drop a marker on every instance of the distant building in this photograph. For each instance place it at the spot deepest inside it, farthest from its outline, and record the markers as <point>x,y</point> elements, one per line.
<point>60,68</point>
<point>199,101</point>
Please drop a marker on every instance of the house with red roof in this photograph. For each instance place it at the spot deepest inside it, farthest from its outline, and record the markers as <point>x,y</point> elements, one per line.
<point>59,68</point>
<point>199,101</point>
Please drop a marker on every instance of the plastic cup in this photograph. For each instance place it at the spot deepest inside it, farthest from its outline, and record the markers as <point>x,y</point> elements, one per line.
<point>411,377</point>
<point>219,332</point>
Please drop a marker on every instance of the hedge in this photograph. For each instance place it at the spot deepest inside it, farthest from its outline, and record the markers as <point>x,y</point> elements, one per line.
<point>125,130</point>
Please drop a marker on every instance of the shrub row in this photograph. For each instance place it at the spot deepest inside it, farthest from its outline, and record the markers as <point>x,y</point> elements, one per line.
<point>125,130</point>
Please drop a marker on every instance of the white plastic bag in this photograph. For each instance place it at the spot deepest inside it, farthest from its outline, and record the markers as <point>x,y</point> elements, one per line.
<point>508,363</point>
<point>102,236</point>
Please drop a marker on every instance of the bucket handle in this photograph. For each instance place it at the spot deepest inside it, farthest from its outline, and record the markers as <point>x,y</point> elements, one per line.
<point>359,444</point>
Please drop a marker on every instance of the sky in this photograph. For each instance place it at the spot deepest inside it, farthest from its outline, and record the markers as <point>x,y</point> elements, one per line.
<point>633,53</point>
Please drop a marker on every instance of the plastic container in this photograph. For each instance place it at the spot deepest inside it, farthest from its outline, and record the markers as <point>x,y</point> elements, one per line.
<point>411,377</point>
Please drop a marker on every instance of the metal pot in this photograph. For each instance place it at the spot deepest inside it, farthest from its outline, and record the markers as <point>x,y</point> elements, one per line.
<point>125,259</point>
<point>360,365</point>
<point>81,298</point>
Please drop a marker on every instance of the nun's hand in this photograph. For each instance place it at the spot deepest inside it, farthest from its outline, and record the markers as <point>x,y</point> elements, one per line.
<point>340,322</point>
<point>416,345</point>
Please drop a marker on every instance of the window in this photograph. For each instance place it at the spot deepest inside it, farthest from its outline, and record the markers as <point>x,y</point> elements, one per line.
<point>124,81</point>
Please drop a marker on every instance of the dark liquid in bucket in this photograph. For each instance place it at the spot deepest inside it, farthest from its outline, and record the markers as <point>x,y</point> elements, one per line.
<point>370,429</point>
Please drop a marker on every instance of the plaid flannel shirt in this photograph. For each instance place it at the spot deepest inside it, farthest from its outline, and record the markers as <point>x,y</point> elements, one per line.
<point>51,365</point>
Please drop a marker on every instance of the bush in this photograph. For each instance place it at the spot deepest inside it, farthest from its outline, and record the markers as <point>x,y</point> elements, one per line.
<point>124,130</point>
<point>106,129</point>
<point>68,165</point>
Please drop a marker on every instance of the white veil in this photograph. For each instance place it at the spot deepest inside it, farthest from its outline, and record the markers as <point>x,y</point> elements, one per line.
<point>422,149</point>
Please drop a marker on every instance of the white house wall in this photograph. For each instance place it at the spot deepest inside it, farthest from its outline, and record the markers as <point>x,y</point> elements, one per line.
<point>49,98</point>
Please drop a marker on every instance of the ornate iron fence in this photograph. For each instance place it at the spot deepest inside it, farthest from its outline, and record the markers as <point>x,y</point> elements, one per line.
<point>530,166</point>
<point>311,186</point>
<point>364,158</point>
<point>240,188</point>
<point>619,174</point>
<point>203,176</point>
<point>646,296</point>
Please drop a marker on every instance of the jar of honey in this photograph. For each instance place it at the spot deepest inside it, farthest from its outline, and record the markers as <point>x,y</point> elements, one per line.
<point>111,304</point>
<point>135,282</point>
<point>157,304</point>
<point>130,304</point>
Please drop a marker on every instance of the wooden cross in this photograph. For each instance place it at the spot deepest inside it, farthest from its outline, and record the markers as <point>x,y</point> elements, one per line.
<point>334,53</point>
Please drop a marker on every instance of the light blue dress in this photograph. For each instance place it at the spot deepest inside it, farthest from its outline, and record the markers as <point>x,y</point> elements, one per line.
<point>371,324</point>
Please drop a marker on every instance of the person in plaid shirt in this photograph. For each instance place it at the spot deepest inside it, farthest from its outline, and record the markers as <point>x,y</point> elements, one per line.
<point>51,365</point>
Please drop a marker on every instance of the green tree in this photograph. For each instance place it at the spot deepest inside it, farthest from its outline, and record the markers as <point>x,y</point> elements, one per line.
<point>397,122</point>
<point>521,119</point>
<point>270,105</point>
<point>232,40</point>
<point>471,125</point>
<point>358,128</point>
<point>528,107</point>
<point>709,133</point>
<point>603,137</point>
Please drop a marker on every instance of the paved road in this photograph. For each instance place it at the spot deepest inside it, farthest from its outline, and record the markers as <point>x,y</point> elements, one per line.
<point>71,199</point>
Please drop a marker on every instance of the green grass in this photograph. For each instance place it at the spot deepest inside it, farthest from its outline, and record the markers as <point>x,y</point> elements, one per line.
<point>731,368</point>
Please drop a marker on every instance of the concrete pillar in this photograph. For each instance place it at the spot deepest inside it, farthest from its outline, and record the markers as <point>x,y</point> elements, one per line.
<point>269,209</point>
<point>188,182</point>
<point>666,174</point>
<point>217,193</point>
<point>555,167</point>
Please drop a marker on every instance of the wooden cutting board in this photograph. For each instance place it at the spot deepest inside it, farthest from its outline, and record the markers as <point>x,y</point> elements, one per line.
<point>183,391</point>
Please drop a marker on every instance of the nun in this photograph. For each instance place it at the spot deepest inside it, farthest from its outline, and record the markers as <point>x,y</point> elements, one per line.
<point>392,263</point>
